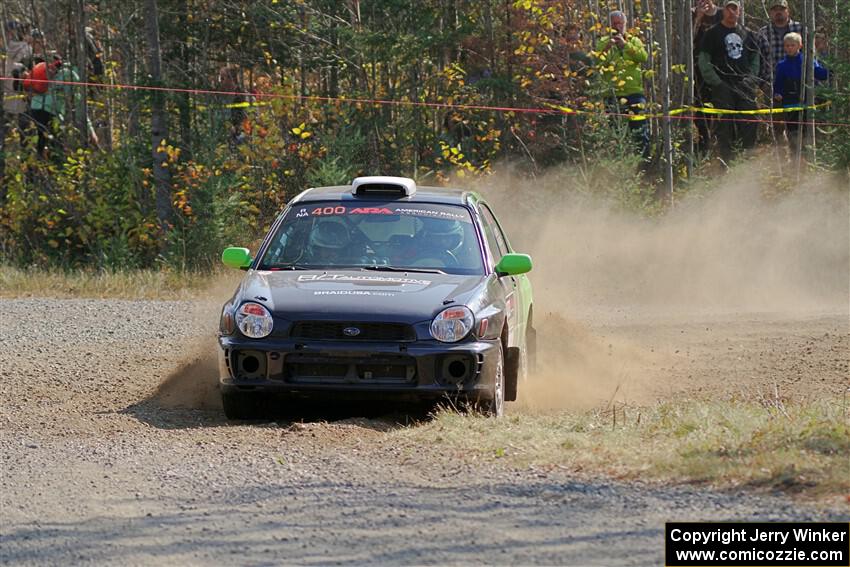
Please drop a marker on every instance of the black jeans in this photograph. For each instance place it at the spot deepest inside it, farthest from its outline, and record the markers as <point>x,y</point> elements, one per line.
<point>795,127</point>
<point>734,129</point>
<point>46,131</point>
<point>634,105</point>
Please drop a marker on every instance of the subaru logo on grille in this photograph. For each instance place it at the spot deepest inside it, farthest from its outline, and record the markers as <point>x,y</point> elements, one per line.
<point>351,331</point>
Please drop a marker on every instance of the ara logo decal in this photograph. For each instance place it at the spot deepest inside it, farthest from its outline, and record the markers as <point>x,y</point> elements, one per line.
<point>302,213</point>
<point>370,211</point>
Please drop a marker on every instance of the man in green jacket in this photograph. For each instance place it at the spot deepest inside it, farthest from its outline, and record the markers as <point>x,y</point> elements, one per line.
<point>620,57</point>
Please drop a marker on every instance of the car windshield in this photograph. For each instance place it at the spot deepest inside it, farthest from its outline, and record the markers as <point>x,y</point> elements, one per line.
<point>391,236</point>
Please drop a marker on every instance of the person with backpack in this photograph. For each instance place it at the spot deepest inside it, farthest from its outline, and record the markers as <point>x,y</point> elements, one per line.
<point>48,84</point>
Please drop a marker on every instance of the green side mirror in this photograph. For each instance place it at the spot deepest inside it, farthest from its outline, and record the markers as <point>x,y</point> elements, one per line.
<point>236,257</point>
<point>513,264</point>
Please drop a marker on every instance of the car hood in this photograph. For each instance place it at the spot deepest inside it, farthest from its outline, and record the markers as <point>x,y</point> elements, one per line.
<point>358,295</point>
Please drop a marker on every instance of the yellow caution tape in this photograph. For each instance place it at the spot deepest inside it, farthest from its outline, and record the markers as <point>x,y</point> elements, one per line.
<point>700,109</point>
<point>245,104</point>
<point>710,110</point>
<point>236,105</point>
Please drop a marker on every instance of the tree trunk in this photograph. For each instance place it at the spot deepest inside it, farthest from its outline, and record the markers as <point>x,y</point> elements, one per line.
<point>159,118</point>
<point>810,74</point>
<point>3,112</point>
<point>82,109</point>
<point>689,92</point>
<point>184,103</point>
<point>665,100</point>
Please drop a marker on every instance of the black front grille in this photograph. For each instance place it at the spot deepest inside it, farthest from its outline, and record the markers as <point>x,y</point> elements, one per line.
<point>304,368</point>
<point>344,331</point>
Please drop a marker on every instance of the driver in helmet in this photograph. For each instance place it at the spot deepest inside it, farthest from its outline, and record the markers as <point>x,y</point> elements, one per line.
<point>440,238</point>
<point>329,242</point>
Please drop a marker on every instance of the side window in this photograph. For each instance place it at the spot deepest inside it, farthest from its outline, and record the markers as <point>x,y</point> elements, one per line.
<point>504,247</point>
<point>491,233</point>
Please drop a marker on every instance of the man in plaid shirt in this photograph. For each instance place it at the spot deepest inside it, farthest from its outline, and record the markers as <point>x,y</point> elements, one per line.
<point>771,40</point>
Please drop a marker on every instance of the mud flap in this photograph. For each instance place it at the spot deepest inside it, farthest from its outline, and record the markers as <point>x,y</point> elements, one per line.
<point>531,349</point>
<point>511,373</point>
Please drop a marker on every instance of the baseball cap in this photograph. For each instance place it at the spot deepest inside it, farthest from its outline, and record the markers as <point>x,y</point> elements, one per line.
<point>731,2</point>
<point>780,3</point>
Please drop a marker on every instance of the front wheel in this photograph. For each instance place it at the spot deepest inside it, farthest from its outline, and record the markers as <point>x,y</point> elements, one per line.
<point>240,405</point>
<point>494,406</point>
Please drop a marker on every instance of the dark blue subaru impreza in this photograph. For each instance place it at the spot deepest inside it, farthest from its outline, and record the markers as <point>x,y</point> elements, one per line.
<point>380,289</point>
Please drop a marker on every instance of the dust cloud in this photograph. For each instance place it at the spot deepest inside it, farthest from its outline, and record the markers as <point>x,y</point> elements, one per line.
<point>728,251</point>
<point>736,249</point>
<point>193,383</point>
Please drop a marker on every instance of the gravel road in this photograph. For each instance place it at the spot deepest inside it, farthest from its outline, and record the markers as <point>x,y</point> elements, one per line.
<point>113,451</point>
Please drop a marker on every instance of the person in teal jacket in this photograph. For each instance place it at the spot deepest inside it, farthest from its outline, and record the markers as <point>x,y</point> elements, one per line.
<point>48,109</point>
<point>620,57</point>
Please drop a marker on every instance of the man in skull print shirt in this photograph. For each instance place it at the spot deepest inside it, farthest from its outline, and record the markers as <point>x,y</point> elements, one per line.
<point>729,63</point>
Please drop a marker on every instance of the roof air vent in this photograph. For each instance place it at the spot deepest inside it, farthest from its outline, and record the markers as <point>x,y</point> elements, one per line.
<point>384,186</point>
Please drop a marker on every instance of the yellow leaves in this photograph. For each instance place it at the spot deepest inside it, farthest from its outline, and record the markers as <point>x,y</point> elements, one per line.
<point>301,132</point>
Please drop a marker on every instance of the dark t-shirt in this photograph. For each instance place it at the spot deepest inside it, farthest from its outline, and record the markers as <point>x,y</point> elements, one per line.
<point>732,51</point>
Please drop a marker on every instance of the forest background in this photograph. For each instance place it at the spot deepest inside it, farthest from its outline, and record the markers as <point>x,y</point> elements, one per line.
<point>344,88</point>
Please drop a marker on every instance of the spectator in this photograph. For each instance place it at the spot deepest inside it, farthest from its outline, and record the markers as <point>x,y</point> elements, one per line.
<point>771,39</point>
<point>705,15</point>
<point>48,108</point>
<point>620,57</point>
<point>18,53</point>
<point>94,57</point>
<point>729,63</point>
<point>788,85</point>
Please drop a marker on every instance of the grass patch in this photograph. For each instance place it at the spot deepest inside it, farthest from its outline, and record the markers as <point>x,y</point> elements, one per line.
<point>141,284</point>
<point>802,449</point>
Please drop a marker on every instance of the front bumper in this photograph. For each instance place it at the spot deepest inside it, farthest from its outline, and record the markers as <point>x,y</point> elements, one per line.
<point>417,370</point>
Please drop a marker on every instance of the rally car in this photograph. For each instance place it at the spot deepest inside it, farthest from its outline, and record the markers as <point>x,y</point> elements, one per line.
<point>378,289</point>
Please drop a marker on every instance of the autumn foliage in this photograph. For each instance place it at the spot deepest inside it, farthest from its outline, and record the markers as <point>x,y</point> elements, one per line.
<point>314,93</point>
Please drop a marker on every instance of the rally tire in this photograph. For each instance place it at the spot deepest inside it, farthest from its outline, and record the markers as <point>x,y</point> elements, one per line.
<point>241,405</point>
<point>494,404</point>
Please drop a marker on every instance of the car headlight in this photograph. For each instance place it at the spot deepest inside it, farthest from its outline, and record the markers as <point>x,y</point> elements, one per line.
<point>254,320</point>
<point>452,324</point>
